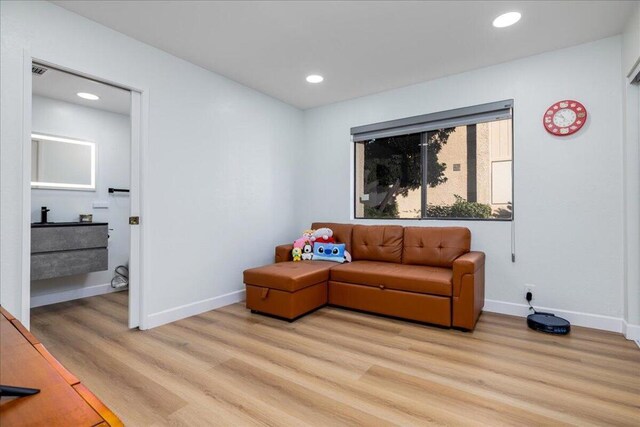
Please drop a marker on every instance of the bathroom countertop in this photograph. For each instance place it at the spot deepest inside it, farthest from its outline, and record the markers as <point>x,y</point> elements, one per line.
<point>66,224</point>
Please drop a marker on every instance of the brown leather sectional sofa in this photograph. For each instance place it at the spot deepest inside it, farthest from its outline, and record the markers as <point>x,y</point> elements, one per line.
<point>426,274</point>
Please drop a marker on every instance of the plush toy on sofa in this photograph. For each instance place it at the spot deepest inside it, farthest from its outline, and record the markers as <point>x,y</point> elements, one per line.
<point>306,237</point>
<point>322,235</point>
<point>297,254</point>
<point>307,252</point>
<point>329,252</point>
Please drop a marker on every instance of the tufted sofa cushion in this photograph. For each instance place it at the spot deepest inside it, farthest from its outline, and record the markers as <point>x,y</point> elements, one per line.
<point>377,243</point>
<point>435,246</point>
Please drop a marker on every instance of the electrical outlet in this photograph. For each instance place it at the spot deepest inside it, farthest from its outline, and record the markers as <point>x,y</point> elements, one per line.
<point>529,288</point>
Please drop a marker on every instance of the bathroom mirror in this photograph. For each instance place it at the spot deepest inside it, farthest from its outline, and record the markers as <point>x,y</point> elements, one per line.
<point>62,163</point>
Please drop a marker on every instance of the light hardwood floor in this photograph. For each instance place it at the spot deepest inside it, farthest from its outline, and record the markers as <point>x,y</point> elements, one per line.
<point>334,367</point>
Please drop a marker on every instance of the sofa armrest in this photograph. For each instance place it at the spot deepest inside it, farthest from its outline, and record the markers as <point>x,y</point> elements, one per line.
<point>468,263</point>
<point>468,289</point>
<point>283,253</point>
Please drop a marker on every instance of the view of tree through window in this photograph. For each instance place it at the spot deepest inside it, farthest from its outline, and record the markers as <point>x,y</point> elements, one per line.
<point>467,174</point>
<point>392,173</point>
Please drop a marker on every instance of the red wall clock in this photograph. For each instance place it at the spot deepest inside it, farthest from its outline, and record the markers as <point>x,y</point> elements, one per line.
<point>564,118</point>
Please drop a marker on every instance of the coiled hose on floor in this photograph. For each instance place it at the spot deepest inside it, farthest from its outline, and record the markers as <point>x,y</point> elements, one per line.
<point>121,278</point>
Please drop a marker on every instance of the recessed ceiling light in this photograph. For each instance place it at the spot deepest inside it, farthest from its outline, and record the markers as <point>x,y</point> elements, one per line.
<point>89,96</point>
<point>314,78</point>
<point>506,19</point>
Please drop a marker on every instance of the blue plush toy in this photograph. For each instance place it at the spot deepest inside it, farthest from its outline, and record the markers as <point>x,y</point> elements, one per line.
<point>328,252</point>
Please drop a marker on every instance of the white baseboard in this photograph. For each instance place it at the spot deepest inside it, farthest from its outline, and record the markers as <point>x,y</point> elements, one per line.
<point>70,295</point>
<point>188,310</point>
<point>631,332</point>
<point>595,321</point>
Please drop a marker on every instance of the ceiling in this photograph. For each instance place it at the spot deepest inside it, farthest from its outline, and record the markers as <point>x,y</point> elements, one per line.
<point>360,47</point>
<point>63,86</point>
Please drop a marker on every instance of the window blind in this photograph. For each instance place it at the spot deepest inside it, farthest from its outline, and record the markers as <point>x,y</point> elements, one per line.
<point>444,119</point>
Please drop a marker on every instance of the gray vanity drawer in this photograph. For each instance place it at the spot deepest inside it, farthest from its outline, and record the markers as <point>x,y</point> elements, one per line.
<point>56,264</point>
<point>49,239</point>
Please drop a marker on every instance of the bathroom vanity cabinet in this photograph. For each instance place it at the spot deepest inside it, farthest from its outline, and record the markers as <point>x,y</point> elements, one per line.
<point>63,249</point>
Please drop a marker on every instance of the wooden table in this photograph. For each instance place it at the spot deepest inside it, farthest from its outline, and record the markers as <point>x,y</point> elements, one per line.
<point>62,401</point>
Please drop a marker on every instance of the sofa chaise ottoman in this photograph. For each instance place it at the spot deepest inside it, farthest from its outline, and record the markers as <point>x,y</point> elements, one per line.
<point>287,289</point>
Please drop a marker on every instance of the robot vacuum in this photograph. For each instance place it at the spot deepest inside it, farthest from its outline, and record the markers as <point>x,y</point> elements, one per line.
<point>548,323</point>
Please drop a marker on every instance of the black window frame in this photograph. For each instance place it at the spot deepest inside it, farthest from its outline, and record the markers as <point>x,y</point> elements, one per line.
<point>423,124</point>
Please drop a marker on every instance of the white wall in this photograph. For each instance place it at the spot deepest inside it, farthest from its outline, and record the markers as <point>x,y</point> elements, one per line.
<point>111,133</point>
<point>568,191</point>
<point>219,161</point>
<point>631,41</point>
<point>631,111</point>
<point>230,170</point>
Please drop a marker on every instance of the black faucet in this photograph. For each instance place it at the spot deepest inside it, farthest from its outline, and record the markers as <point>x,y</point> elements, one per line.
<point>43,214</point>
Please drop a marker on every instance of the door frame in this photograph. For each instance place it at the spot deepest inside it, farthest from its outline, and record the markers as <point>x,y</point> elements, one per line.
<point>139,117</point>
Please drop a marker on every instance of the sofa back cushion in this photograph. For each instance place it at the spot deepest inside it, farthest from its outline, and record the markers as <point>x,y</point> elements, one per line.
<point>377,243</point>
<point>435,246</point>
<point>341,232</point>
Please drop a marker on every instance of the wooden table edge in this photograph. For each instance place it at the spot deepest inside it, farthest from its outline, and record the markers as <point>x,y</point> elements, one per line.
<point>110,419</point>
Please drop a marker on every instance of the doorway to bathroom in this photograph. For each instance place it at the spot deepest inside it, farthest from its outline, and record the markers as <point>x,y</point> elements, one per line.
<point>82,194</point>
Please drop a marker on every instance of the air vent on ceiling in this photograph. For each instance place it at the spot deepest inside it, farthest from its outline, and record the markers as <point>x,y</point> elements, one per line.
<point>38,70</point>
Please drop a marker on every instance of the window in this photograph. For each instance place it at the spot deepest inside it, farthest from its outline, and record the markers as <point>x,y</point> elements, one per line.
<point>453,164</point>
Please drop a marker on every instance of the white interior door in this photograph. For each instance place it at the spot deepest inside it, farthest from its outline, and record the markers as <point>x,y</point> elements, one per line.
<point>134,194</point>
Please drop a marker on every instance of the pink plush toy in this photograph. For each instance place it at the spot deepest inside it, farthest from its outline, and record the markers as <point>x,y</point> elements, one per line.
<point>306,237</point>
